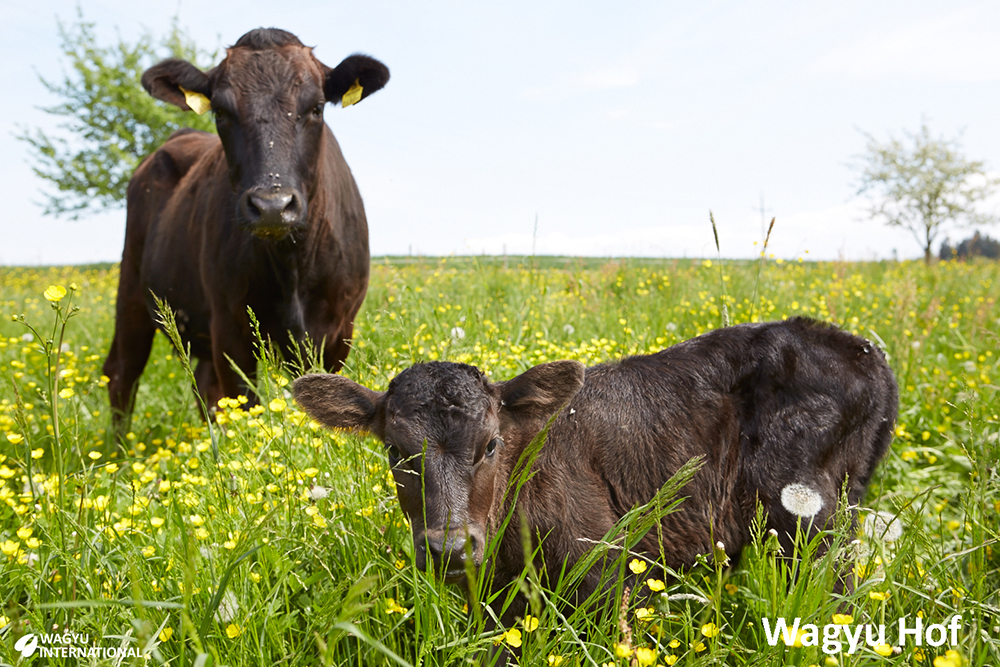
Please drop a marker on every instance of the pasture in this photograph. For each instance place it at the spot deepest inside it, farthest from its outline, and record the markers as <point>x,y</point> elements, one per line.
<point>271,541</point>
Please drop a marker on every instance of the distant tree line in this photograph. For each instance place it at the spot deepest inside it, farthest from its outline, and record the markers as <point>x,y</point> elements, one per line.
<point>975,246</point>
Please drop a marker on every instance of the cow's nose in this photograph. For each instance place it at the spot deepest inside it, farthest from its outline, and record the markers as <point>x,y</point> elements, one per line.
<point>448,551</point>
<point>272,209</point>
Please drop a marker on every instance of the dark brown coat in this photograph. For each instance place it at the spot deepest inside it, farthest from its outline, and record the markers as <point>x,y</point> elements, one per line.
<point>266,216</point>
<point>768,406</point>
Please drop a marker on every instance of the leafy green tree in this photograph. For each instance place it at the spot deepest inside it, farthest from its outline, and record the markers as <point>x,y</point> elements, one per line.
<point>922,184</point>
<point>110,123</point>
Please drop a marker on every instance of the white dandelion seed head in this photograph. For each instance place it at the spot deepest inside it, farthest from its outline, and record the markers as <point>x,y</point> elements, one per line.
<point>458,333</point>
<point>772,533</point>
<point>671,326</point>
<point>27,338</point>
<point>64,347</point>
<point>801,500</point>
<point>229,607</point>
<point>318,492</point>
<point>569,329</point>
<point>884,526</point>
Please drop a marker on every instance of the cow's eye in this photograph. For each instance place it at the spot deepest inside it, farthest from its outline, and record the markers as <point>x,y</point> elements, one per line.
<point>394,455</point>
<point>318,110</point>
<point>491,446</point>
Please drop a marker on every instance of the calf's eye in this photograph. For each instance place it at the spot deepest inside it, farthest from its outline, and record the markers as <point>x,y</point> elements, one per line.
<point>317,111</point>
<point>394,455</point>
<point>491,446</point>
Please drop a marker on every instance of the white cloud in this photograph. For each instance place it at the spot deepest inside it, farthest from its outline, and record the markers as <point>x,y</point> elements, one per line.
<point>956,47</point>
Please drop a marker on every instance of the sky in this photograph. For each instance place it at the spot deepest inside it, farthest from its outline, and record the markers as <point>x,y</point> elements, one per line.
<point>613,127</point>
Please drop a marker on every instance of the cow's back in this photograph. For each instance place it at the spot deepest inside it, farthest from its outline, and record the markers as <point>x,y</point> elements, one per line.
<point>766,405</point>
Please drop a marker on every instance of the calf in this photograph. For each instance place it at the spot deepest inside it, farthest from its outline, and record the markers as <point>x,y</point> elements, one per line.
<point>266,216</point>
<point>784,413</point>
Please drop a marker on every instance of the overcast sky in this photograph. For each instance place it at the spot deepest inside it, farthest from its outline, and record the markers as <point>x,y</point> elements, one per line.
<point>619,125</point>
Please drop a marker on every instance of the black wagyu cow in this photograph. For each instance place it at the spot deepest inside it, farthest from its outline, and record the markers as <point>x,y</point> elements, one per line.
<point>265,215</point>
<point>785,413</point>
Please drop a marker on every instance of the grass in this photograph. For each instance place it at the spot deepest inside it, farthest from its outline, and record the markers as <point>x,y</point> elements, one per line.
<point>284,544</point>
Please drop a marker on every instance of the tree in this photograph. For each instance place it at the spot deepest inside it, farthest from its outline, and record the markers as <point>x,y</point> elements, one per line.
<point>111,123</point>
<point>922,184</point>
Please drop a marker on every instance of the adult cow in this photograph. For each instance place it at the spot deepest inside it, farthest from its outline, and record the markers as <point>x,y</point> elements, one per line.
<point>785,413</point>
<point>265,215</point>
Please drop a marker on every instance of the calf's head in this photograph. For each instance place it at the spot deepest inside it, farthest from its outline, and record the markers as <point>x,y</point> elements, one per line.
<point>451,436</point>
<point>268,96</point>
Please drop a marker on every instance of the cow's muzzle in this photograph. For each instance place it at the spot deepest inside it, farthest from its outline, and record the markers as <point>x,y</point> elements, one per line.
<point>272,213</point>
<point>449,551</point>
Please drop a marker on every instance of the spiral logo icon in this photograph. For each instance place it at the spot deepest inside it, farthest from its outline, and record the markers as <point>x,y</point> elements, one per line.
<point>27,645</point>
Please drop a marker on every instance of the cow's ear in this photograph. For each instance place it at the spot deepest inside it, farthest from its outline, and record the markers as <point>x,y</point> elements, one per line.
<point>165,81</point>
<point>365,71</point>
<point>337,402</point>
<point>540,391</point>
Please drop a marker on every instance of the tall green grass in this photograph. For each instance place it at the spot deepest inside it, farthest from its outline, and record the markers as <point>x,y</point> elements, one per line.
<point>284,544</point>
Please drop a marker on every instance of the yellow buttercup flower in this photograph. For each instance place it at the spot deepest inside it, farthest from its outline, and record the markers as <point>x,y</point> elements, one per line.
<point>55,293</point>
<point>233,631</point>
<point>277,405</point>
<point>883,650</point>
<point>15,438</point>
<point>710,630</point>
<point>530,623</point>
<point>655,585</point>
<point>842,619</point>
<point>512,637</point>
<point>66,393</point>
<point>637,566</point>
<point>622,650</point>
<point>645,656</point>
<point>166,634</point>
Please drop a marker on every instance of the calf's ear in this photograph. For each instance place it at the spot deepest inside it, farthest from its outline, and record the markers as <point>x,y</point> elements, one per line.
<point>540,391</point>
<point>337,402</point>
<point>169,80</point>
<point>369,74</point>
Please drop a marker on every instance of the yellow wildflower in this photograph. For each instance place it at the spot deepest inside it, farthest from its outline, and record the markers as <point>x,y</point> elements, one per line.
<point>555,660</point>
<point>55,293</point>
<point>710,630</point>
<point>842,619</point>
<point>878,595</point>
<point>530,623</point>
<point>24,532</point>
<point>277,405</point>
<point>148,551</point>
<point>645,656</point>
<point>637,566</point>
<point>392,607</point>
<point>883,650</point>
<point>156,521</point>
<point>622,650</point>
<point>15,438</point>
<point>512,637</point>
<point>166,634</point>
<point>655,585</point>
<point>233,631</point>
<point>37,453</point>
<point>670,659</point>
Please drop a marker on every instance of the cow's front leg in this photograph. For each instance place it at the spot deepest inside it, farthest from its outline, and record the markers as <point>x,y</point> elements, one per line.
<point>232,345</point>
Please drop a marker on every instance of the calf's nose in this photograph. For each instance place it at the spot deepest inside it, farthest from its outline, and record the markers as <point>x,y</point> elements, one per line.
<point>448,550</point>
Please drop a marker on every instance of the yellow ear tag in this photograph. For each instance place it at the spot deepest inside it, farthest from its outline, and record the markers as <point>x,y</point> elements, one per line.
<point>352,96</point>
<point>198,102</point>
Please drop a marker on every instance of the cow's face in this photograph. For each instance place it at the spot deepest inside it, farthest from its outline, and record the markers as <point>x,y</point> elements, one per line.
<point>451,437</point>
<point>268,96</point>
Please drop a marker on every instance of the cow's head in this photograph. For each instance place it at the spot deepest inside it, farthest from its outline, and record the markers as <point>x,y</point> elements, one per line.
<point>268,96</point>
<point>451,437</point>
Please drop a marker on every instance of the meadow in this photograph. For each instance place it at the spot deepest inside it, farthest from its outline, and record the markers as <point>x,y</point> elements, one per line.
<point>265,539</point>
